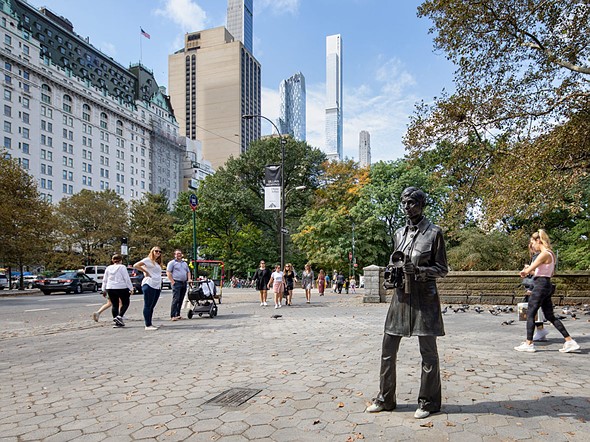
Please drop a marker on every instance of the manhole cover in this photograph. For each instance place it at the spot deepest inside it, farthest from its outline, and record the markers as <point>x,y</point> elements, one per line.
<point>233,397</point>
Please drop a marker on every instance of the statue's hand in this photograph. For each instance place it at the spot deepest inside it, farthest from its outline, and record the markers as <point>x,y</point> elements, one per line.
<point>409,267</point>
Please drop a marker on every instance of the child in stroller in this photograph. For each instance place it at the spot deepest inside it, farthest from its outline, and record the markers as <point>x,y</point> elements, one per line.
<point>202,298</point>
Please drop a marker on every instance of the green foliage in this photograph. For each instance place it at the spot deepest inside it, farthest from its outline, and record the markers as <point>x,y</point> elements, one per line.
<point>93,221</point>
<point>150,224</point>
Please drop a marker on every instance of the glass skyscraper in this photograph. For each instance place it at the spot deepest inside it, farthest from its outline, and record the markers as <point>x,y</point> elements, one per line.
<point>292,119</point>
<point>240,22</point>
<point>333,146</point>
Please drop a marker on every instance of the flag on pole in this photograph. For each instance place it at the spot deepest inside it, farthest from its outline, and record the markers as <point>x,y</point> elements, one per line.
<point>145,34</point>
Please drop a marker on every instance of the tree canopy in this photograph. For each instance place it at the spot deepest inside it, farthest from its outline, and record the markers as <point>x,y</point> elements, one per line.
<point>520,115</point>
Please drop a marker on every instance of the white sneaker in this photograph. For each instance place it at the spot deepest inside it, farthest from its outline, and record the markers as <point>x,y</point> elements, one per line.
<point>569,346</point>
<point>276,305</point>
<point>526,347</point>
<point>374,408</point>
<point>541,335</point>
<point>262,304</point>
<point>265,303</point>
<point>421,414</point>
<point>95,316</point>
<point>280,305</point>
<point>151,327</point>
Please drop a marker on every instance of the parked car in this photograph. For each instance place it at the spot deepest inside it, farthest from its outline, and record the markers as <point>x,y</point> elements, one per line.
<point>165,281</point>
<point>76,282</point>
<point>96,273</point>
<point>3,282</point>
<point>136,277</point>
<point>38,281</point>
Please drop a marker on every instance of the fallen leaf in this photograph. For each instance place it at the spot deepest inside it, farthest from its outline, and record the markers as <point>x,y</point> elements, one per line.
<point>449,424</point>
<point>427,425</point>
<point>340,404</point>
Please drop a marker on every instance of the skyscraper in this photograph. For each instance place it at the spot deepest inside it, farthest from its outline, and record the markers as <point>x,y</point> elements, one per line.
<point>292,119</point>
<point>333,146</point>
<point>240,22</point>
<point>364,148</point>
<point>213,81</point>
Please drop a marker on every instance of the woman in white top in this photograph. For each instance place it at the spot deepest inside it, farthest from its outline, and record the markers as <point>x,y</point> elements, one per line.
<point>276,280</point>
<point>151,267</point>
<point>118,285</point>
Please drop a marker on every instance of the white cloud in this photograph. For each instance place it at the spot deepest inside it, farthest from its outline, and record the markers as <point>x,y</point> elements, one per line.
<point>278,6</point>
<point>109,49</point>
<point>185,13</point>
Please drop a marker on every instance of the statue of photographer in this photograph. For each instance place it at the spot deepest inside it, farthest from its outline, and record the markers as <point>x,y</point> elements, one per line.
<point>419,258</point>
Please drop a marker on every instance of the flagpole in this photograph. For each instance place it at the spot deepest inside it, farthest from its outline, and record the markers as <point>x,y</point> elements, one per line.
<point>140,46</point>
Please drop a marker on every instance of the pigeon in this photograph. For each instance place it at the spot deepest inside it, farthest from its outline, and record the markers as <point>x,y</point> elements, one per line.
<point>459,309</point>
<point>494,312</point>
<point>478,309</point>
<point>508,322</point>
<point>276,316</point>
<point>444,310</point>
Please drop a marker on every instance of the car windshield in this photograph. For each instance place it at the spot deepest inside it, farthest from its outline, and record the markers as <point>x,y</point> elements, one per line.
<point>70,275</point>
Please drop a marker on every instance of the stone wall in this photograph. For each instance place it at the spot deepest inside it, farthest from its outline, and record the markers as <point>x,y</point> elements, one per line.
<point>488,288</point>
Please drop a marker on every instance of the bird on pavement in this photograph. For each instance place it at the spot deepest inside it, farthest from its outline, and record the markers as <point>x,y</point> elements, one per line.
<point>478,309</point>
<point>508,322</point>
<point>276,316</point>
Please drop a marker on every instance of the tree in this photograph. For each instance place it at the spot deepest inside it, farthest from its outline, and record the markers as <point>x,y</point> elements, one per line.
<point>26,221</point>
<point>150,224</point>
<point>94,222</point>
<point>521,102</point>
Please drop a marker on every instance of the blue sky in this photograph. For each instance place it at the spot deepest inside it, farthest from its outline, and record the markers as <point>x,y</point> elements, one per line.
<point>388,59</point>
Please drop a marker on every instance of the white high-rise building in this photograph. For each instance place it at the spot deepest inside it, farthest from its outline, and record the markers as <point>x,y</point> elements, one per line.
<point>240,21</point>
<point>364,148</point>
<point>292,119</point>
<point>333,146</point>
<point>76,119</point>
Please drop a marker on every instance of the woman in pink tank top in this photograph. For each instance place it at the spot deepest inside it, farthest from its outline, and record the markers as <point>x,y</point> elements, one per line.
<point>543,268</point>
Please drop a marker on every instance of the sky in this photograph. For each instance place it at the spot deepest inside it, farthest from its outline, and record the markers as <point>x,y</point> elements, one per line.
<point>389,60</point>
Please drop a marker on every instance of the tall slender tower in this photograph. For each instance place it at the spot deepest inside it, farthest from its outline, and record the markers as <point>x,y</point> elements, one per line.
<point>240,21</point>
<point>364,148</point>
<point>333,146</point>
<point>292,119</point>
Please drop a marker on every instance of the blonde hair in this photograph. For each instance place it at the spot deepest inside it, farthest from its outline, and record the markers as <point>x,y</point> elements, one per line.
<point>152,255</point>
<point>541,235</point>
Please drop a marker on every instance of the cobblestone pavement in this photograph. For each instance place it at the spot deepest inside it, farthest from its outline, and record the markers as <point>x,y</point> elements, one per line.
<point>316,368</point>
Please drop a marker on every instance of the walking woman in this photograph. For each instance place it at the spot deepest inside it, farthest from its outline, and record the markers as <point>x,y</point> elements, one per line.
<point>290,280</point>
<point>261,279</point>
<point>151,267</point>
<point>276,281</point>
<point>307,278</point>
<point>321,282</point>
<point>118,285</point>
<point>543,268</point>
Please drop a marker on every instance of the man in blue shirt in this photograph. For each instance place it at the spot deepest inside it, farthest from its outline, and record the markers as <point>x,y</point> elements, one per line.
<point>179,275</point>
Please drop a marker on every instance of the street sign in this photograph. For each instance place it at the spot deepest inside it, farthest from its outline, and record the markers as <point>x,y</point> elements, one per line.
<point>124,249</point>
<point>350,256</point>
<point>272,198</point>
<point>192,201</point>
<point>285,230</point>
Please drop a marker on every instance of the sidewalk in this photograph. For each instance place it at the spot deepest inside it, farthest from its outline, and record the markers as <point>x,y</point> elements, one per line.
<point>317,367</point>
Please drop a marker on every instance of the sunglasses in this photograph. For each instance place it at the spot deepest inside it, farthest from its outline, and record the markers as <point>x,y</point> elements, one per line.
<point>157,251</point>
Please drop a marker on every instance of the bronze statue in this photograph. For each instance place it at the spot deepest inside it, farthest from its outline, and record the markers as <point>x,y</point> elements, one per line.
<point>418,258</point>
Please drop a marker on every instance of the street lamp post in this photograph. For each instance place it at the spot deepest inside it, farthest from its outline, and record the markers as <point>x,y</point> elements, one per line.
<point>283,141</point>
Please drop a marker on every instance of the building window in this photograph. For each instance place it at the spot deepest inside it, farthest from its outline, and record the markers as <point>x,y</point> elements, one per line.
<point>7,95</point>
<point>25,148</point>
<point>119,128</point>
<point>7,127</point>
<point>46,126</point>
<point>25,133</point>
<point>7,111</point>
<point>85,112</point>
<point>68,121</point>
<point>7,143</point>
<point>25,102</point>
<point>25,117</point>
<point>7,39</point>
<point>103,120</point>
<point>67,104</point>
<point>45,94</point>
<point>46,112</point>
<point>24,162</point>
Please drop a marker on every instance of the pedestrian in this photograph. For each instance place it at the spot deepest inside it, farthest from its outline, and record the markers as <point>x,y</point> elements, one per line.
<point>339,282</point>
<point>542,268</point>
<point>307,280</point>
<point>151,267</point>
<point>321,282</point>
<point>276,280</point>
<point>180,276</point>
<point>419,258</point>
<point>353,285</point>
<point>117,284</point>
<point>290,280</point>
<point>261,279</point>
<point>107,305</point>
<point>346,285</point>
<point>528,283</point>
<point>334,281</point>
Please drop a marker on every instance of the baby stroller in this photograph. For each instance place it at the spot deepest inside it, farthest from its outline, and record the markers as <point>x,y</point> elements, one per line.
<point>202,298</point>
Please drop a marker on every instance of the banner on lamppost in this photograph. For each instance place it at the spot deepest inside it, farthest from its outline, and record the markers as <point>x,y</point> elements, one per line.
<point>272,175</point>
<point>272,198</point>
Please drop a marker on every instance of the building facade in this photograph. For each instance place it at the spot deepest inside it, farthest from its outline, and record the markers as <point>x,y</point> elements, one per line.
<point>333,148</point>
<point>292,112</point>
<point>213,81</point>
<point>364,148</point>
<point>240,21</point>
<point>76,119</point>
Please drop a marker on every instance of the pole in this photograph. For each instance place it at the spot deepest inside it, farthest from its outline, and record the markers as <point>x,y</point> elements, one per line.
<point>283,141</point>
<point>353,255</point>
<point>195,245</point>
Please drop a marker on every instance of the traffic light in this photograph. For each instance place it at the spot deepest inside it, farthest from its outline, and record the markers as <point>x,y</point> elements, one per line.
<point>124,240</point>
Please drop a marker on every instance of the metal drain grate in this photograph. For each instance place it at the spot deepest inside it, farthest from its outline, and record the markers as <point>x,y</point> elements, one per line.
<point>233,397</point>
